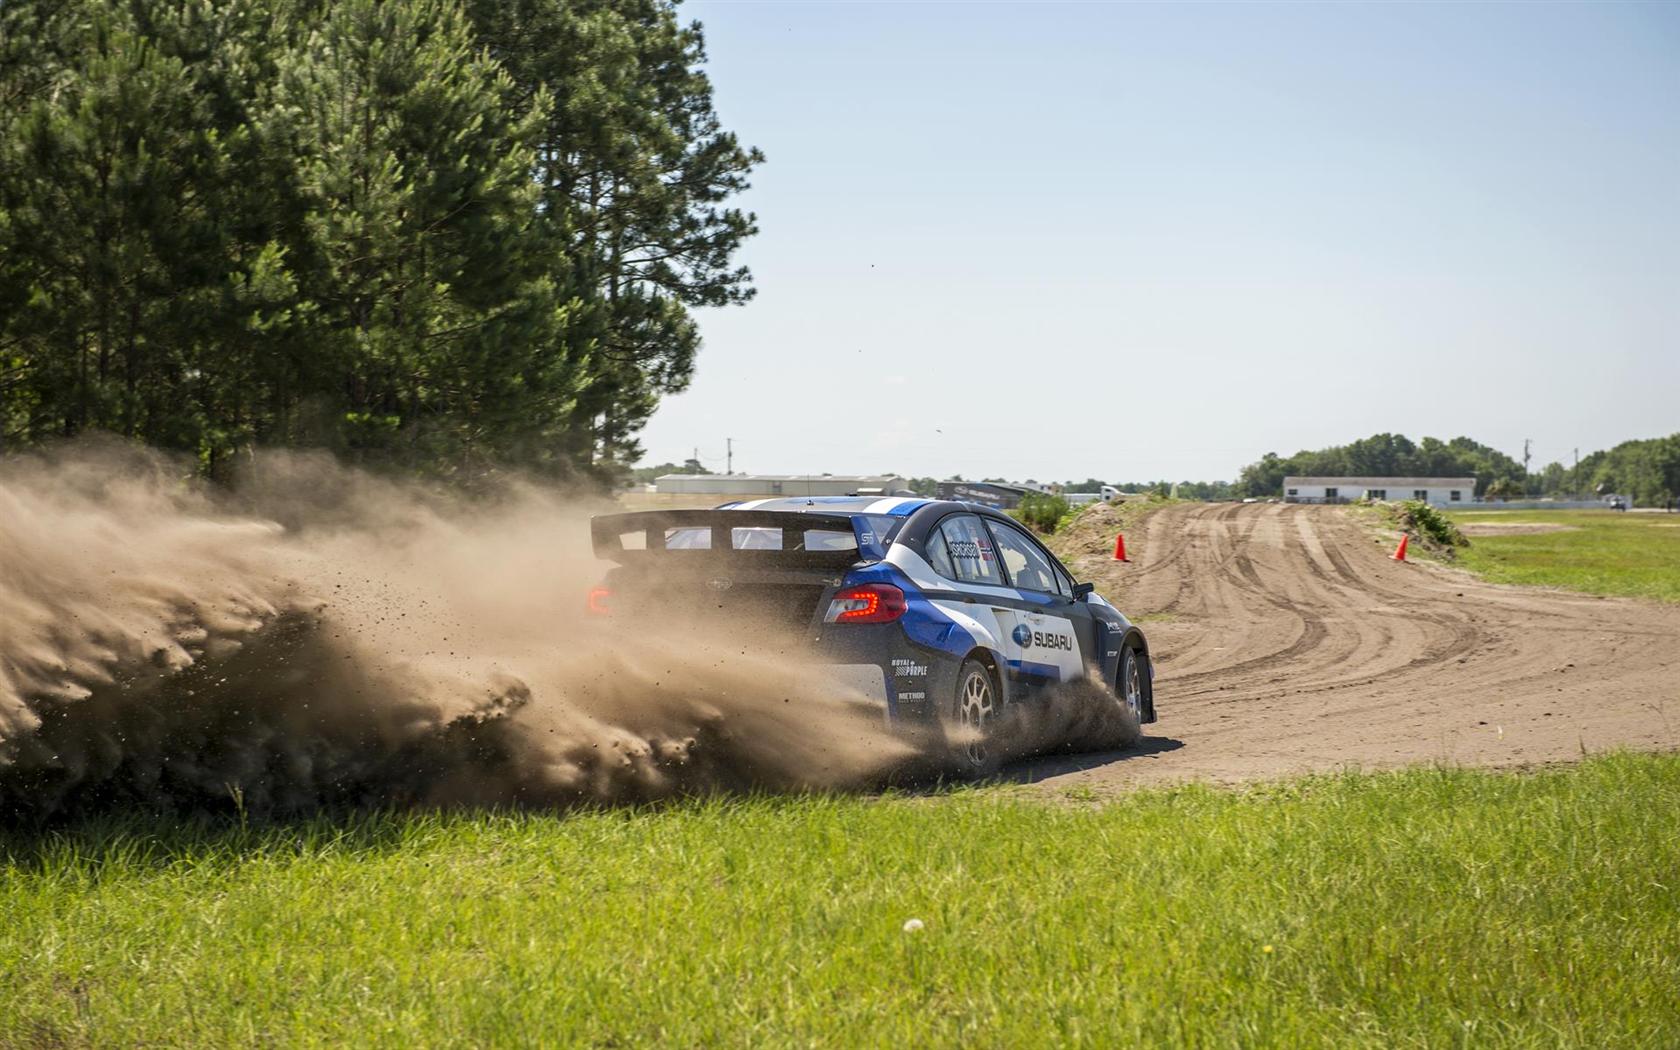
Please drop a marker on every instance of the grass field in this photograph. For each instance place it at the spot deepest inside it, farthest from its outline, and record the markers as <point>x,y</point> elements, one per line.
<point>1422,908</point>
<point>1597,551</point>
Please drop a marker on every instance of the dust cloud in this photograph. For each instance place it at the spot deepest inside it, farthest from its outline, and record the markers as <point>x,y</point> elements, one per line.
<point>321,637</point>
<point>1076,716</point>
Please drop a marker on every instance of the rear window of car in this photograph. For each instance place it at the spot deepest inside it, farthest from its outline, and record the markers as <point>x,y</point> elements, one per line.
<point>969,547</point>
<point>690,539</point>
<point>768,538</point>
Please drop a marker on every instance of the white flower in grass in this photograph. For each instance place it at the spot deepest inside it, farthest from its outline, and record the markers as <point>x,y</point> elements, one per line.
<point>913,925</point>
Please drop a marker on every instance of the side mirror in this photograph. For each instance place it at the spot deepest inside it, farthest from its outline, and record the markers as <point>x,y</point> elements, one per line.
<point>1081,590</point>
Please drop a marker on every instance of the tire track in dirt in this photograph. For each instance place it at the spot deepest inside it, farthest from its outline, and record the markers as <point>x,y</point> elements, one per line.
<point>1286,640</point>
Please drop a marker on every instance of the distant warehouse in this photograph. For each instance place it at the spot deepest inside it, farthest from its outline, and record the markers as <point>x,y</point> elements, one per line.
<point>782,484</point>
<point>1443,491</point>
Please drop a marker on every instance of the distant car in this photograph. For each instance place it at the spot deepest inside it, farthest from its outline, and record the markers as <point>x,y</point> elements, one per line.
<point>947,613</point>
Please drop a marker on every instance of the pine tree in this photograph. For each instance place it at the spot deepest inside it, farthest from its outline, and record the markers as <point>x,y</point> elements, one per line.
<point>97,215</point>
<point>374,225</point>
<point>412,167</point>
<point>634,169</point>
<point>132,290</point>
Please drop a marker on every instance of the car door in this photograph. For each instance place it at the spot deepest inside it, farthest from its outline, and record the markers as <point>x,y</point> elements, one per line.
<point>961,550</point>
<point>1053,635</point>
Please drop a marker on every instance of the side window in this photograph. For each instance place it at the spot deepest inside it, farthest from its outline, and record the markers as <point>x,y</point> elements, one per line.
<point>939,556</point>
<point>970,550</point>
<point>1028,568</point>
<point>1064,582</point>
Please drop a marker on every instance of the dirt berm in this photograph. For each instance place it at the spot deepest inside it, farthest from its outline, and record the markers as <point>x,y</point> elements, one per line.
<point>1286,640</point>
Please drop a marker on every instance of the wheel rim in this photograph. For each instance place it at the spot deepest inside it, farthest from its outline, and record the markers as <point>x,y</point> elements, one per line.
<point>1133,691</point>
<point>976,709</point>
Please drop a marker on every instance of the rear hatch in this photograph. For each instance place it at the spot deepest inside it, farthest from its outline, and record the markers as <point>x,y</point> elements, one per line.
<point>746,572</point>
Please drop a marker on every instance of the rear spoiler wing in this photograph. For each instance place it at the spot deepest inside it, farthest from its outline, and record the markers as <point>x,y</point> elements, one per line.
<point>656,526</point>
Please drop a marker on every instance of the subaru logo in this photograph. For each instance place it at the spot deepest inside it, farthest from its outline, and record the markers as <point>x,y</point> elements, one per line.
<point>1022,635</point>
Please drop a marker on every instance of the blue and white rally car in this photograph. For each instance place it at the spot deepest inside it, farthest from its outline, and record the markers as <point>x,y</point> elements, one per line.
<point>948,613</point>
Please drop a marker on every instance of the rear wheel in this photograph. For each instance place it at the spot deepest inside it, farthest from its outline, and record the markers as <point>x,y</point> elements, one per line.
<point>974,715</point>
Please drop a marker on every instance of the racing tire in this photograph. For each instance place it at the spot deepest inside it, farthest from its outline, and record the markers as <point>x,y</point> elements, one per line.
<point>976,711</point>
<point>1131,685</point>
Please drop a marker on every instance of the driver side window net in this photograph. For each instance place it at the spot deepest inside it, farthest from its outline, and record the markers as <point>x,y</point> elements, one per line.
<point>970,550</point>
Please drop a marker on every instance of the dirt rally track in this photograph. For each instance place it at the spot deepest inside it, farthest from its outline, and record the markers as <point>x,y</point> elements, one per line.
<point>1286,640</point>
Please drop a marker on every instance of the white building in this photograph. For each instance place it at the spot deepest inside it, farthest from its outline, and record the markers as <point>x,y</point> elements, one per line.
<point>1441,491</point>
<point>782,484</point>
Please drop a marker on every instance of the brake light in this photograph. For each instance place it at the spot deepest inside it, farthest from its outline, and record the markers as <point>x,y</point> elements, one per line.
<point>597,603</point>
<point>866,603</point>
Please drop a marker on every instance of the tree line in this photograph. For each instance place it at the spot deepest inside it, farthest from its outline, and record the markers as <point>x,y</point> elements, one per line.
<point>445,234</point>
<point>1646,470</point>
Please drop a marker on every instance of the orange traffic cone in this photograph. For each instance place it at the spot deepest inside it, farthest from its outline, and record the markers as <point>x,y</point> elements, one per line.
<point>1120,547</point>
<point>1400,551</point>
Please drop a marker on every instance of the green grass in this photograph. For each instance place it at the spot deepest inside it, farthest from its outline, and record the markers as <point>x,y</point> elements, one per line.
<point>1602,552</point>
<point>1423,908</point>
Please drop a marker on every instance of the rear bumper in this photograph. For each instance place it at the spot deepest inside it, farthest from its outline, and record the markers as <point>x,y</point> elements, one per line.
<point>866,679</point>
<point>878,661</point>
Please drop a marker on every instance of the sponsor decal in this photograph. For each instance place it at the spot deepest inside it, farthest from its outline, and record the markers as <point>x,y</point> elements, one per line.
<point>912,696</point>
<point>1027,638</point>
<point>720,583</point>
<point>908,668</point>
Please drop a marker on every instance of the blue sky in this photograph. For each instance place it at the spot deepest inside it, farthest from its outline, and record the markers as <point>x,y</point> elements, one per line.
<point>1140,241</point>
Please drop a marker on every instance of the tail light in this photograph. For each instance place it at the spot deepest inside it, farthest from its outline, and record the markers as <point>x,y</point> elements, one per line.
<point>598,599</point>
<point>867,603</point>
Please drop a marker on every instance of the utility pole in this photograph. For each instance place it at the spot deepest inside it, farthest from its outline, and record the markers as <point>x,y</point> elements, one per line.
<point>1526,443</point>
<point>1577,473</point>
<point>729,456</point>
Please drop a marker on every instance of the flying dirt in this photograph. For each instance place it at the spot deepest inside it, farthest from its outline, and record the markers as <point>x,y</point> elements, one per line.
<point>323,637</point>
<point>1290,642</point>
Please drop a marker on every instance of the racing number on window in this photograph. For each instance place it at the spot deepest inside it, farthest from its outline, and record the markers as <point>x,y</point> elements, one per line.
<point>969,548</point>
<point>1028,568</point>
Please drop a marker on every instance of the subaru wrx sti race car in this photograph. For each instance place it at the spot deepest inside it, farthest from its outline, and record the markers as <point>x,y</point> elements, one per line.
<point>945,613</point>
